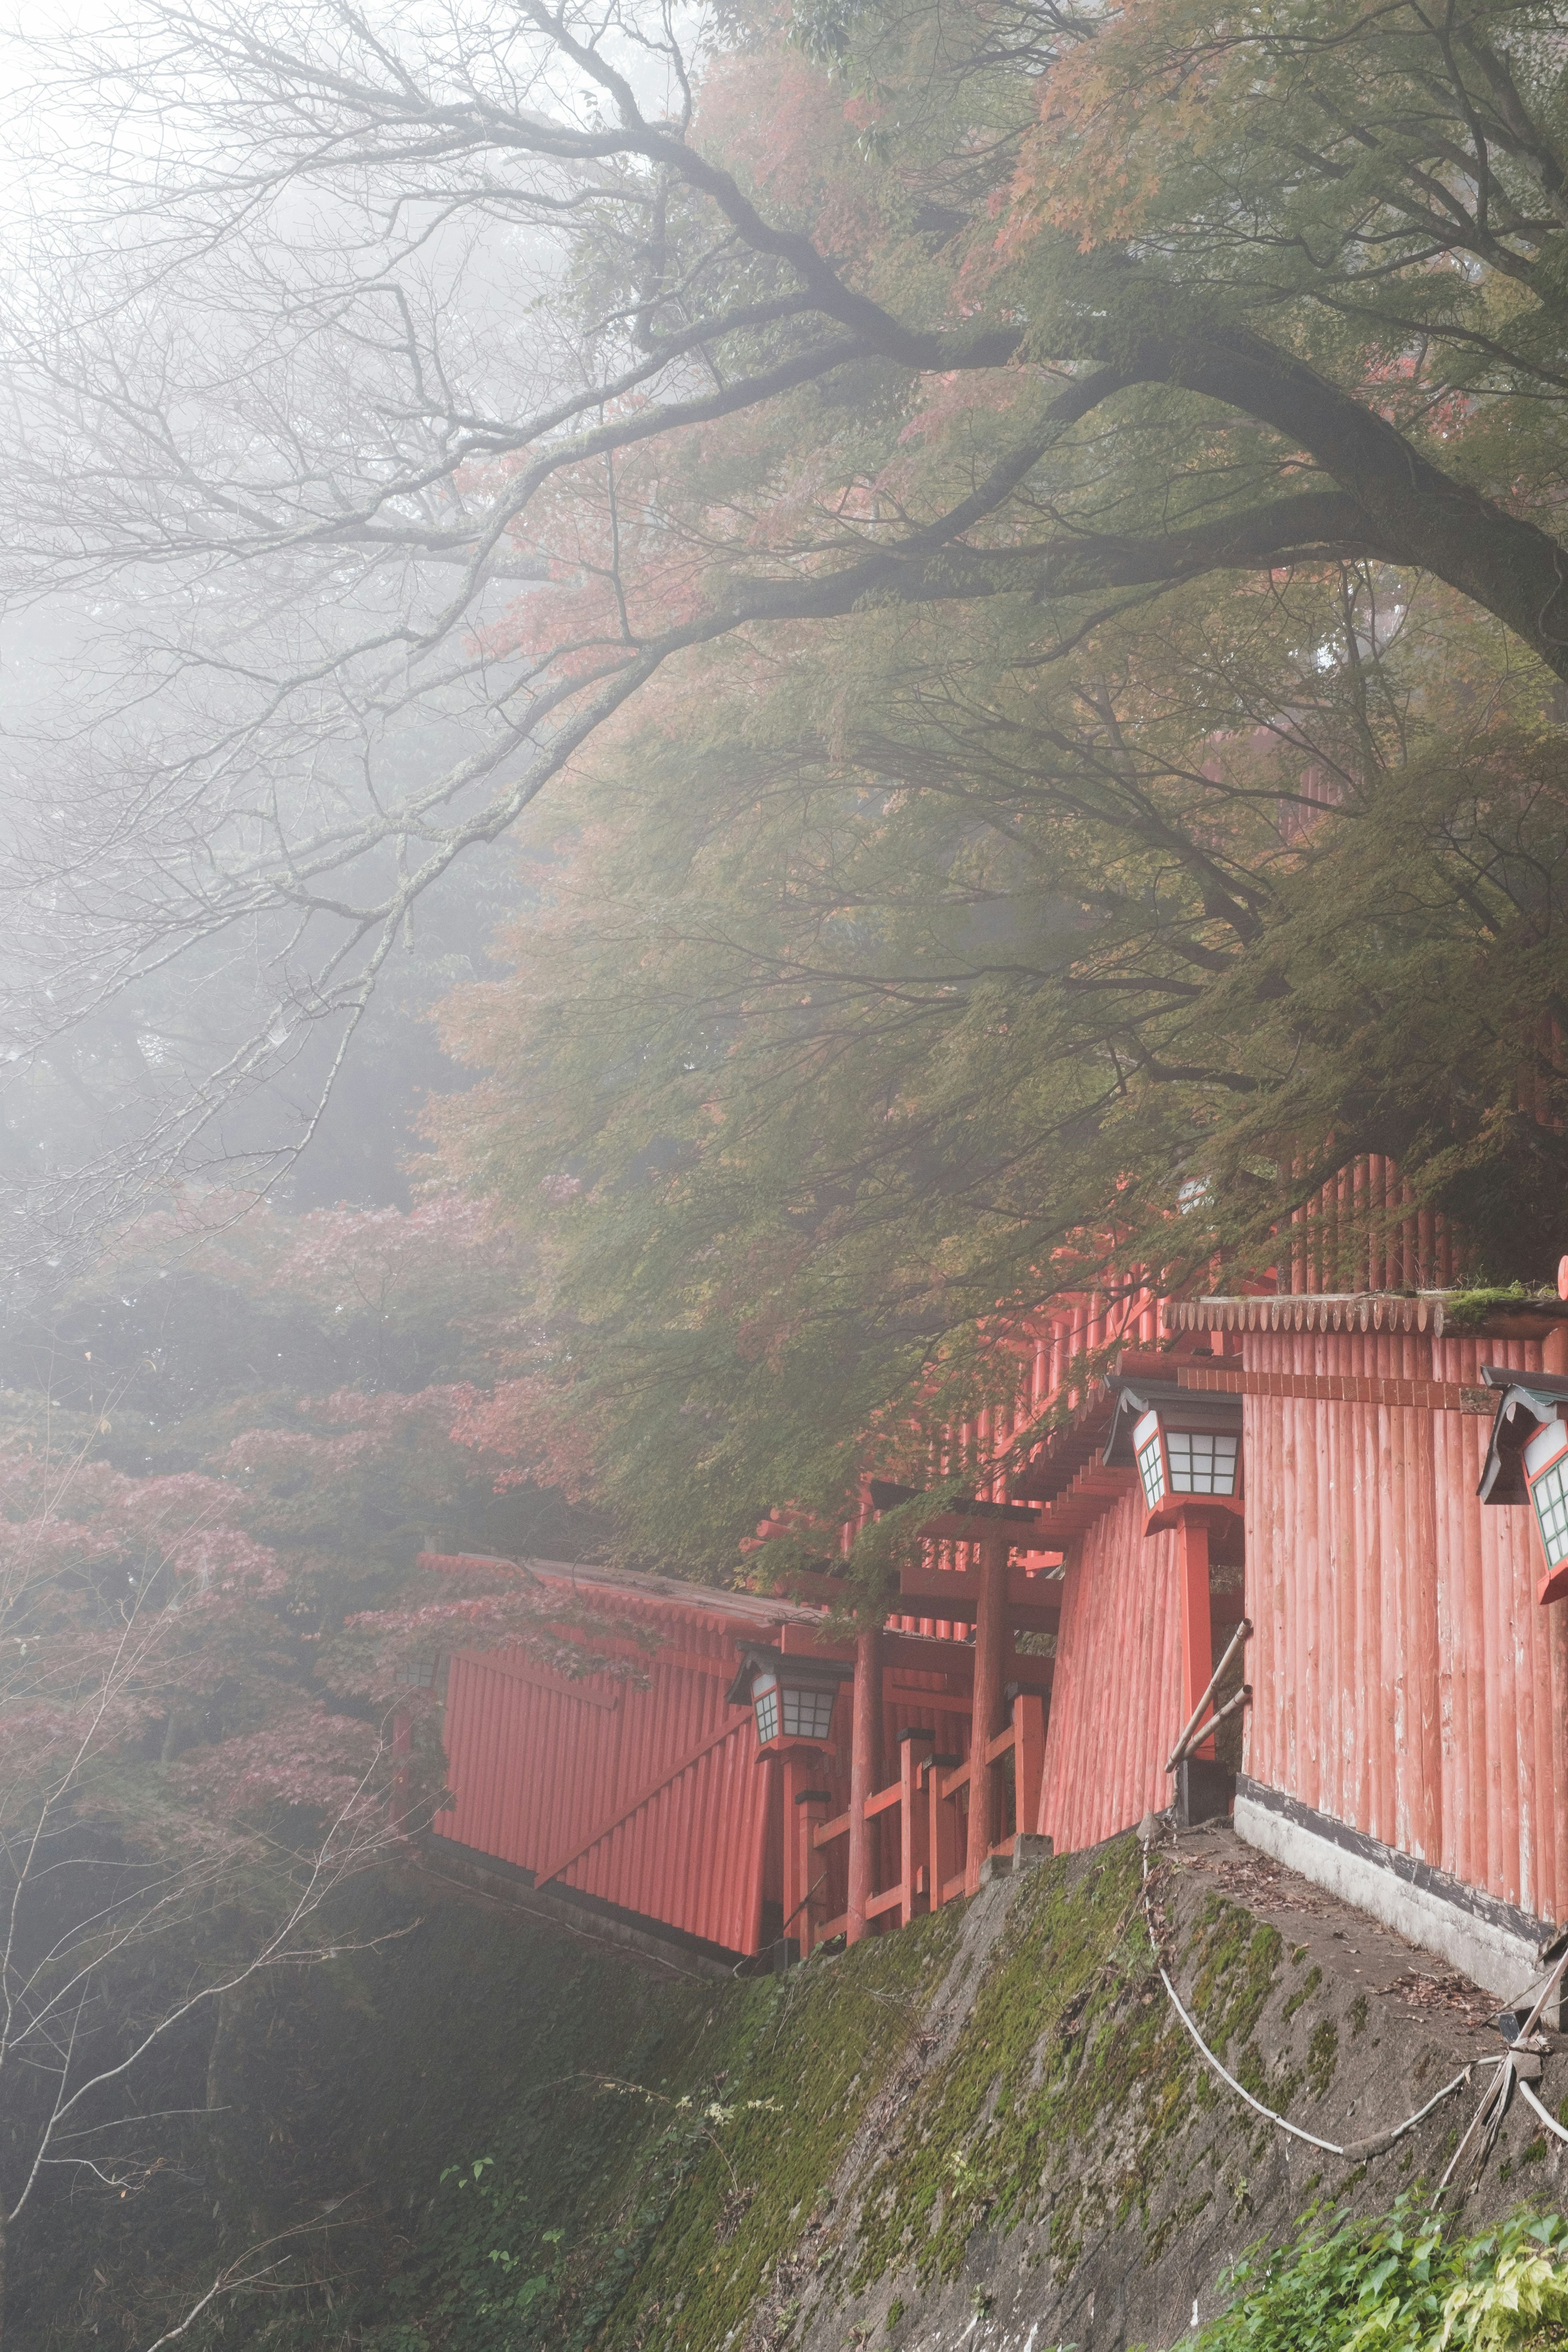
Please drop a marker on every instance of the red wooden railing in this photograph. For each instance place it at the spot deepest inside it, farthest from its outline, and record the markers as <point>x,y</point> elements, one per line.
<point>919,1824</point>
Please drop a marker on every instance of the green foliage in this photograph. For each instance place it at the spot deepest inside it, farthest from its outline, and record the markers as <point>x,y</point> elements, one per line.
<point>982,937</point>
<point>1404,2283</point>
<point>940,979</point>
<point>491,2288</point>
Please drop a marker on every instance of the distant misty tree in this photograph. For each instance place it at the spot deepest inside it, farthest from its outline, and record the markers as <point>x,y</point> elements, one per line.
<point>220,1702</point>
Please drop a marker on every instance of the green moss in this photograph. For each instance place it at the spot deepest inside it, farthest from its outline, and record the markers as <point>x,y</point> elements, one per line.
<point>1284,2086</point>
<point>1322,2056</point>
<point>1304,1991</point>
<point>1236,1963</point>
<point>1358,2013</point>
<point>813,2048</point>
<point>1070,2028</point>
<point>1178,2219</point>
<point>1466,1310</point>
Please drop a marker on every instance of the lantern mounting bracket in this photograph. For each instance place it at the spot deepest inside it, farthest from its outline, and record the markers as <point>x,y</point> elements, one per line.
<point>1528,1400</point>
<point>1199,1409</point>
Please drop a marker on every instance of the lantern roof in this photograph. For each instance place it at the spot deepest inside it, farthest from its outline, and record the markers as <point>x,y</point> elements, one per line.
<point>1187,1408</point>
<point>1527,1402</point>
<point>761,1658</point>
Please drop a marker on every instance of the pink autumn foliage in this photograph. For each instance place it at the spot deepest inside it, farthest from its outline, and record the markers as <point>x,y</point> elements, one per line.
<point>183,1628</point>
<point>122,1601</point>
<point>306,1754</point>
<point>534,1429</point>
<point>361,1253</point>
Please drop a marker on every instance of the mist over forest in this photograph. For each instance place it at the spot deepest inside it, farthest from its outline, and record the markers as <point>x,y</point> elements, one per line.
<point>695,699</point>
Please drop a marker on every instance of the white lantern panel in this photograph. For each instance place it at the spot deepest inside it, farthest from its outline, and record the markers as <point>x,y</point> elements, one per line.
<point>807,1713</point>
<point>1549,1493</point>
<point>1201,1463</point>
<point>1146,1447</point>
<point>1550,1439</point>
<point>766,1699</point>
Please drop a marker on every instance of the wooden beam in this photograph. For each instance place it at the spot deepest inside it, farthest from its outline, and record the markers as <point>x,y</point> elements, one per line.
<point>1032,1603</point>
<point>958,1591</point>
<point>975,1517</point>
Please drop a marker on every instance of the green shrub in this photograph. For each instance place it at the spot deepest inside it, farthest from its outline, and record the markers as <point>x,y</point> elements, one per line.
<point>1399,2284</point>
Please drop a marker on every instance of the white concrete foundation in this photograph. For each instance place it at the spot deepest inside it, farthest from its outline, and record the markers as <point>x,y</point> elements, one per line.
<point>1499,1958</point>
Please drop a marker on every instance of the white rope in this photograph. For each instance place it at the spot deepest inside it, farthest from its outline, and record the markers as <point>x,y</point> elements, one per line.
<point>1549,2121</point>
<point>1330,2147</point>
<point>1372,2146</point>
<point>1256,2105</point>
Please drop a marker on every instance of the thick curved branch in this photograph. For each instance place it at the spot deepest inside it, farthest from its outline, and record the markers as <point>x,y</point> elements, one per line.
<point>1414,513</point>
<point>1316,526</point>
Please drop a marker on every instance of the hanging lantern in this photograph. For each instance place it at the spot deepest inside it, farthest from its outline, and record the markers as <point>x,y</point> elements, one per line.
<point>791,1698</point>
<point>1186,1444</point>
<point>1526,1461</point>
<point>425,1673</point>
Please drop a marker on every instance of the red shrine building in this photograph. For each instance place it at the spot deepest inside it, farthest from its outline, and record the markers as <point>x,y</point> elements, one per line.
<point>1301,1558</point>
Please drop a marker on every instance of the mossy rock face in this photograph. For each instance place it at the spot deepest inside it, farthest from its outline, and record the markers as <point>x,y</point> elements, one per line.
<point>805,2059</point>
<point>1066,2046</point>
<point>991,2123</point>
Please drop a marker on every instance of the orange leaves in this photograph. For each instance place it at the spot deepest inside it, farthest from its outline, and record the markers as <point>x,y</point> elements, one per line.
<point>792,136</point>
<point>1117,114</point>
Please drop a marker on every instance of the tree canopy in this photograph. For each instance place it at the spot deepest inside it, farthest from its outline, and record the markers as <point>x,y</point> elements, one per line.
<point>1001,566</point>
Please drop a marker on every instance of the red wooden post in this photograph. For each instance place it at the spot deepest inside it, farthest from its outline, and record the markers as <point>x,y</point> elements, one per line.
<point>943,1843</point>
<point>1029,1756</point>
<point>989,1706</point>
<point>812,1808</point>
<point>865,1776</point>
<point>794,1778</point>
<point>1197,1634</point>
<point>915,1825</point>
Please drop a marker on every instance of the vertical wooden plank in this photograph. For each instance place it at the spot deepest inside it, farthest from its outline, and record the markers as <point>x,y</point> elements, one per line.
<point>811,1810</point>
<point>914,1824</point>
<point>990,1647</point>
<point>1028,1755</point>
<point>1192,1602</point>
<point>865,1776</point>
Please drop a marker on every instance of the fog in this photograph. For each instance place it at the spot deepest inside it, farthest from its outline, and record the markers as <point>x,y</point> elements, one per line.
<point>257,689</point>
